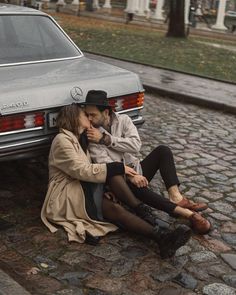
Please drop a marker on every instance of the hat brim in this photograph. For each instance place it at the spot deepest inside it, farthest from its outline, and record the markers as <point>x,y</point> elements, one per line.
<point>95,104</point>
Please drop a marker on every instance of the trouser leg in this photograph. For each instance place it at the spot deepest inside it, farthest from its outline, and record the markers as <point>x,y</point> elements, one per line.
<point>161,158</point>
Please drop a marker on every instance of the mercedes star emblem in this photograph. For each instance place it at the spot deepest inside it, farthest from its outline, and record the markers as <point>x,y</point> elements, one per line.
<point>76,93</point>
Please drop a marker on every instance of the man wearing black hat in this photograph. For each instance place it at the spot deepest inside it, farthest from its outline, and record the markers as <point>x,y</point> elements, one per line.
<point>114,137</point>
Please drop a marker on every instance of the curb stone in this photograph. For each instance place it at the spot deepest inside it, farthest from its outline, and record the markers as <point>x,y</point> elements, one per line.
<point>178,86</point>
<point>8,286</point>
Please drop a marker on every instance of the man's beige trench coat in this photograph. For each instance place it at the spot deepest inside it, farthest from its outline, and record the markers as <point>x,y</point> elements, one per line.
<point>65,201</point>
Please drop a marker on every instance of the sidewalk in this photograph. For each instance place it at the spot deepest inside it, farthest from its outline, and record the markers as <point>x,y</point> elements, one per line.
<point>182,87</point>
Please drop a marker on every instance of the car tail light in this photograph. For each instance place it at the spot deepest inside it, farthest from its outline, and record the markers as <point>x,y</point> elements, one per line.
<point>127,102</point>
<point>24,121</point>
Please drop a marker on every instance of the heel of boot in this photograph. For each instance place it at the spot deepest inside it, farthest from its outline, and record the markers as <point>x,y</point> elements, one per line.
<point>171,241</point>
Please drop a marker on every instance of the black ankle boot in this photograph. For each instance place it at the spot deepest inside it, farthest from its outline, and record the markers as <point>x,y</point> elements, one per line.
<point>145,212</point>
<point>171,240</point>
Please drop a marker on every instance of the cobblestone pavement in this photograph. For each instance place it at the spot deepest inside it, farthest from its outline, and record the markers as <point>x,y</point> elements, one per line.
<point>203,142</point>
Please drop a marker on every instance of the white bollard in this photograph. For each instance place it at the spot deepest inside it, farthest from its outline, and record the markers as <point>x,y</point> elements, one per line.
<point>45,4</point>
<point>96,4</point>
<point>132,6</point>
<point>158,15</point>
<point>186,11</point>
<point>219,25</point>
<point>75,2</point>
<point>61,3</point>
<point>107,4</point>
<point>143,7</point>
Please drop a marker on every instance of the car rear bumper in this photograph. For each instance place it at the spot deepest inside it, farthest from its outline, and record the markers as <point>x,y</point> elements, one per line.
<point>35,147</point>
<point>25,149</point>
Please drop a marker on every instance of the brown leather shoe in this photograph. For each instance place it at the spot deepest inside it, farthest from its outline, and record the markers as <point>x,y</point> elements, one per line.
<point>200,224</point>
<point>187,204</point>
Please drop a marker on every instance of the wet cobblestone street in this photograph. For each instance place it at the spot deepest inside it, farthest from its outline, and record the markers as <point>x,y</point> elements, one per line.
<point>204,146</point>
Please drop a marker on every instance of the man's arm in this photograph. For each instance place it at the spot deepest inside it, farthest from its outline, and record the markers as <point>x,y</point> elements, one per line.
<point>130,141</point>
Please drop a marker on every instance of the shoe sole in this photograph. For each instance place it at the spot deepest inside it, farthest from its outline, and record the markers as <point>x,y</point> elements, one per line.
<point>203,233</point>
<point>183,234</point>
<point>199,209</point>
<point>195,210</point>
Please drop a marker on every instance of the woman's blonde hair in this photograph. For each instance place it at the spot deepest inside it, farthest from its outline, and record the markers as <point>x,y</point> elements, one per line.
<point>68,118</point>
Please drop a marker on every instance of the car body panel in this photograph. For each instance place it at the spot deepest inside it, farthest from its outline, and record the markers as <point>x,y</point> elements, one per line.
<point>46,85</point>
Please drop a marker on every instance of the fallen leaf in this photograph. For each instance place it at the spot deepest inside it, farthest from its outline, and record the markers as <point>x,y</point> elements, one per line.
<point>33,271</point>
<point>44,265</point>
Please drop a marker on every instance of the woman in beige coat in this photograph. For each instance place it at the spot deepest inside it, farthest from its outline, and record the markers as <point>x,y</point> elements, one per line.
<point>76,199</point>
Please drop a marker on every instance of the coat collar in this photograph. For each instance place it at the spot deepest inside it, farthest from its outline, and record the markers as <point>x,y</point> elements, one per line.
<point>74,139</point>
<point>70,134</point>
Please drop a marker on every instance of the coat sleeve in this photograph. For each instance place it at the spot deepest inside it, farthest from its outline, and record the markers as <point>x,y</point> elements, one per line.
<point>72,162</point>
<point>130,141</point>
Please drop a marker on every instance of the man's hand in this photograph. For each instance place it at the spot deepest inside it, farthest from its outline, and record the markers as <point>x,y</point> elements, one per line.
<point>138,180</point>
<point>94,134</point>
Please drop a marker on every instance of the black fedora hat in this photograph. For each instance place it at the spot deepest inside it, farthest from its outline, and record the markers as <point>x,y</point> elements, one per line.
<point>96,98</point>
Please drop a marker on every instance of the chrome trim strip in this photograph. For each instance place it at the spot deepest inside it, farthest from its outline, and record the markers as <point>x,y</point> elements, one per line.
<point>129,110</point>
<point>40,61</point>
<point>140,118</point>
<point>20,131</point>
<point>22,12</point>
<point>23,143</point>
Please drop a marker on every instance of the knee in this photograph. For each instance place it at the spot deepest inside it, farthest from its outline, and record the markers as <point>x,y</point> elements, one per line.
<point>163,150</point>
<point>116,208</point>
<point>113,209</point>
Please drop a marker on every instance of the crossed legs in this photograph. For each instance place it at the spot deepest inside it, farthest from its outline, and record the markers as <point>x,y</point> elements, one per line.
<point>133,196</point>
<point>168,240</point>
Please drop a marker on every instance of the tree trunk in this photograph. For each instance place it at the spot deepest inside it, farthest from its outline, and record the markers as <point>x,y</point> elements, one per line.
<point>176,19</point>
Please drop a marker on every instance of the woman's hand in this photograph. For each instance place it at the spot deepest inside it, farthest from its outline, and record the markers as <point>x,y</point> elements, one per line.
<point>110,196</point>
<point>138,180</point>
<point>130,171</point>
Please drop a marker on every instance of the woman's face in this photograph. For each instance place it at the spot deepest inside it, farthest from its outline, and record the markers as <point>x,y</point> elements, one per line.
<point>83,120</point>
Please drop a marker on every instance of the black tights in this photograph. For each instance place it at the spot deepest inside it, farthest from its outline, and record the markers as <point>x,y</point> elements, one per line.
<point>117,214</point>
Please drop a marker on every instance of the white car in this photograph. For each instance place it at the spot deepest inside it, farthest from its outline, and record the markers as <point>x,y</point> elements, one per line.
<point>231,13</point>
<point>41,70</point>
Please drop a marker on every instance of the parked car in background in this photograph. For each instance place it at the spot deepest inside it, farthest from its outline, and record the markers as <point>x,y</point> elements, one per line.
<point>231,13</point>
<point>41,70</point>
<point>230,20</point>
